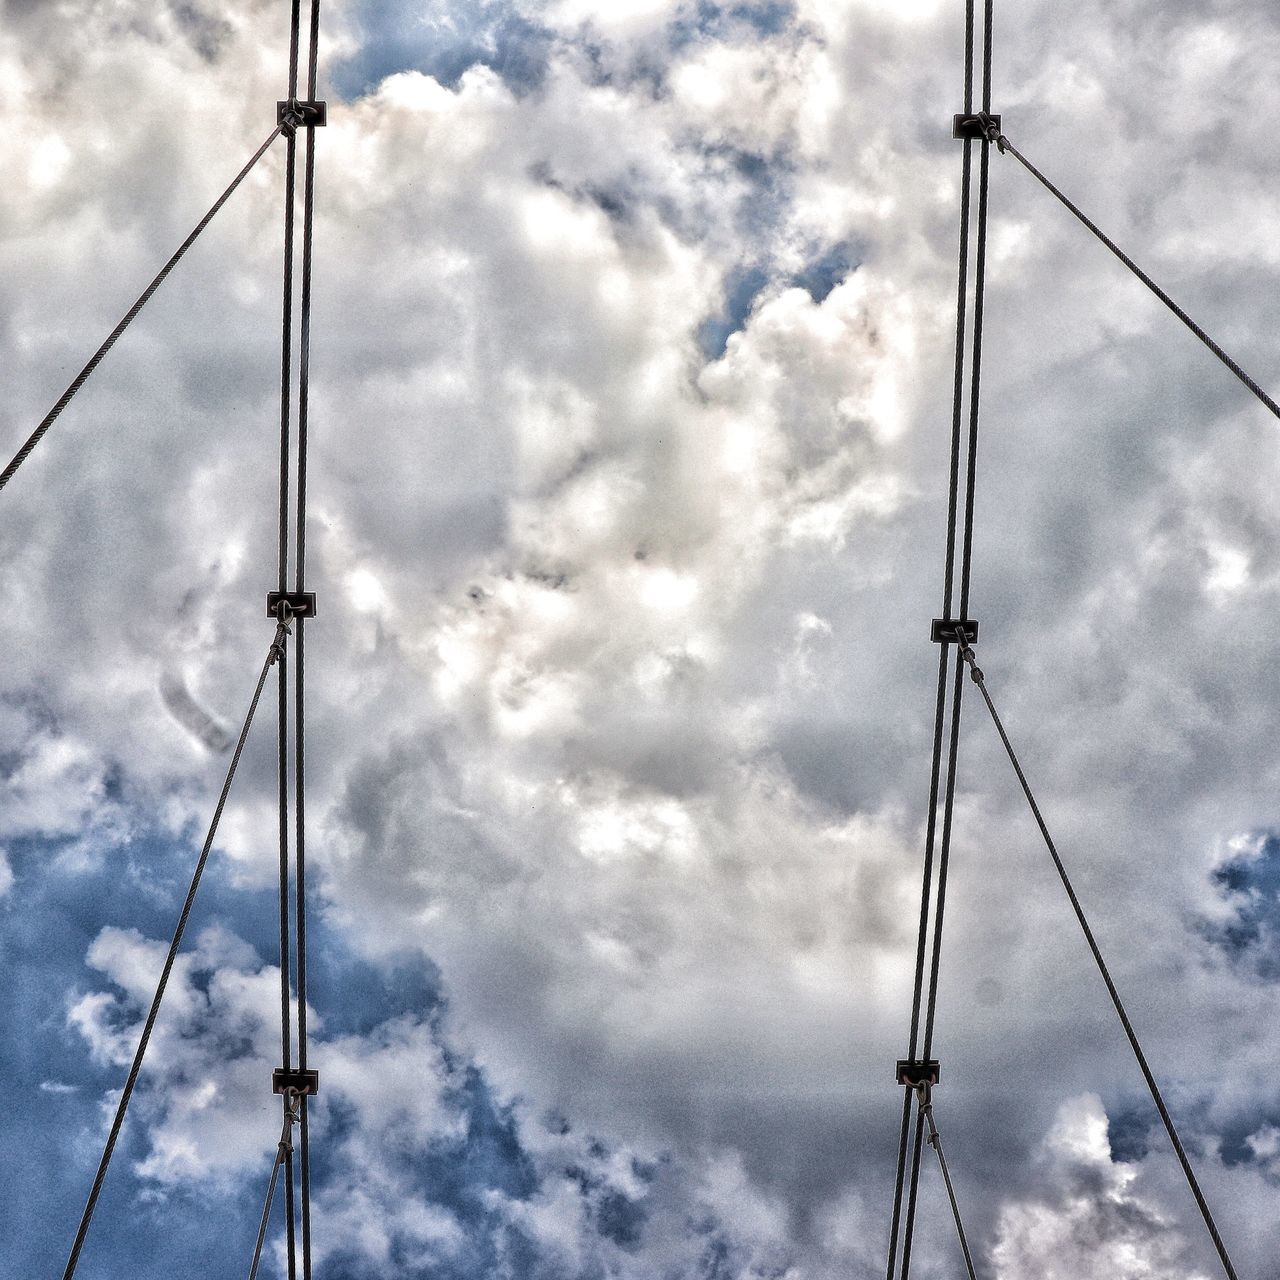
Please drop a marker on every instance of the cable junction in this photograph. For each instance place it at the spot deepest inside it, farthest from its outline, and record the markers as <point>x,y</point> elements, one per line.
<point>955,605</point>
<point>990,127</point>
<point>288,609</point>
<point>274,654</point>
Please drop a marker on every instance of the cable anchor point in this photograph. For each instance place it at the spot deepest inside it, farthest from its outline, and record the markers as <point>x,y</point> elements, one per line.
<point>980,126</point>
<point>294,114</point>
<point>914,1072</point>
<point>303,1083</point>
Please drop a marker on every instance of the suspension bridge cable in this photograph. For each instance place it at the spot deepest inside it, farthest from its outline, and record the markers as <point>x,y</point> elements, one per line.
<point>1004,144</point>
<point>273,653</point>
<point>967,655</point>
<point>935,1141</point>
<point>65,399</point>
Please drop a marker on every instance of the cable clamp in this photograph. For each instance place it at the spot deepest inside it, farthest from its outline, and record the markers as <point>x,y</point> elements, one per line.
<point>294,114</point>
<point>976,126</point>
<point>302,604</point>
<point>303,1083</point>
<point>951,630</point>
<point>990,126</point>
<point>914,1072</point>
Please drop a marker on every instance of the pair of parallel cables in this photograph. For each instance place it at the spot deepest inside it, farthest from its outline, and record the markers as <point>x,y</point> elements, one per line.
<point>295,1082</point>
<point>918,1073</point>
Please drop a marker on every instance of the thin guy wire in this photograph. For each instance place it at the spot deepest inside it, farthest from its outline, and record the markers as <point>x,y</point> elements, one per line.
<point>304,368</point>
<point>272,654</point>
<point>975,373</point>
<point>935,1141</point>
<point>948,583</point>
<point>944,858</point>
<point>922,939</point>
<point>967,654</point>
<point>282,783</point>
<point>908,1234</point>
<point>899,1178</point>
<point>957,391</point>
<point>295,25</point>
<point>284,1155</point>
<point>304,360</point>
<point>1005,145</point>
<point>266,1214</point>
<point>286,357</point>
<point>65,399</point>
<point>300,917</point>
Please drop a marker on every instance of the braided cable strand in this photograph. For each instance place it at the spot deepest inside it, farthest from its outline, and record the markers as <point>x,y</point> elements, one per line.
<point>276,649</point>
<point>79,380</point>
<point>967,655</point>
<point>1003,143</point>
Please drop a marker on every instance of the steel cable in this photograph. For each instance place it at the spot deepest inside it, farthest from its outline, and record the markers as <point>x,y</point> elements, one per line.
<point>968,656</point>
<point>277,647</point>
<point>284,1156</point>
<point>935,1141</point>
<point>65,399</point>
<point>1004,144</point>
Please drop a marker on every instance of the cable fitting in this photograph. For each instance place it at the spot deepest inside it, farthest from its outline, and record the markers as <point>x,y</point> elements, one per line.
<point>914,1072</point>
<point>303,1083</point>
<point>951,630</point>
<point>990,126</point>
<point>977,127</point>
<point>301,604</point>
<point>294,114</point>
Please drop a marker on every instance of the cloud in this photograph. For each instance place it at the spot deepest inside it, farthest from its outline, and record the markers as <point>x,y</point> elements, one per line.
<point>629,416</point>
<point>1092,1217</point>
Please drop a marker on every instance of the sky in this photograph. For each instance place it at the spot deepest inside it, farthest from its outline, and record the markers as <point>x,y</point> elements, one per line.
<point>631,363</point>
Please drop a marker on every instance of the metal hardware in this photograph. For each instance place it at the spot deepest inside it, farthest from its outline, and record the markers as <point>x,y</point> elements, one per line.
<point>974,126</point>
<point>302,604</point>
<point>303,1082</point>
<point>914,1072</point>
<point>944,630</point>
<point>294,114</point>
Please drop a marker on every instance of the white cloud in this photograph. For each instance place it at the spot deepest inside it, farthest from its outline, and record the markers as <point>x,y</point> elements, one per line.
<point>568,734</point>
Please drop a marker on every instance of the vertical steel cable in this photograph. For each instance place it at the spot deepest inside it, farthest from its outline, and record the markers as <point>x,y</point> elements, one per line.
<point>304,372</point>
<point>277,647</point>
<point>953,517</point>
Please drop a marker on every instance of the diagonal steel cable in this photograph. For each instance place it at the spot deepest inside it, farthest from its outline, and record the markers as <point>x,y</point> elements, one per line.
<point>925,1096</point>
<point>994,135</point>
<point>273,653</point>
<point>284,1156</point>
<point>967,655</point>
<point>79,380</point>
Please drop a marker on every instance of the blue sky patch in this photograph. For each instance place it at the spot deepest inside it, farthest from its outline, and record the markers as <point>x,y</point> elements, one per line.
<point>442,40</point>
<point>1252,937</point>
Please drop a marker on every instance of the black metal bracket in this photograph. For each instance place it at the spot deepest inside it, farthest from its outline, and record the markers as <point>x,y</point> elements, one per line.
<point>308,114</point>
<point>305,1082</point>
<point>965,126</point>
<point>913,1072</point>
<point>948,630</point>
<point>302,604</point>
